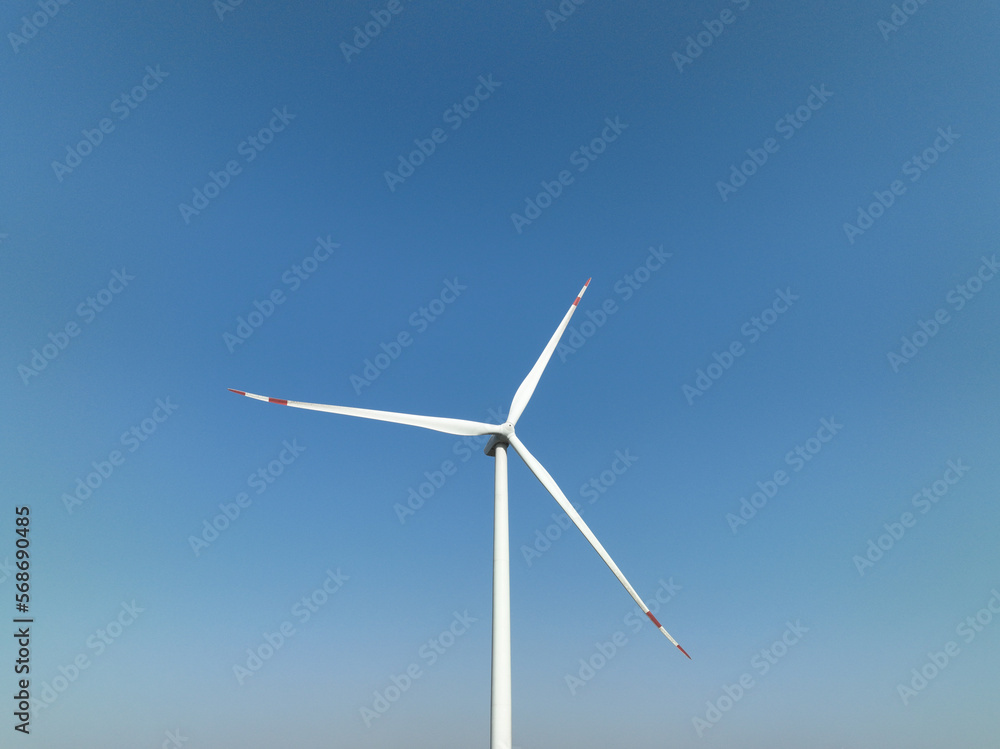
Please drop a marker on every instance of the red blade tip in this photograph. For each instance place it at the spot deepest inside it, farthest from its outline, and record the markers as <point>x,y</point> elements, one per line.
<point>684,651</point>
<point>238,392</point>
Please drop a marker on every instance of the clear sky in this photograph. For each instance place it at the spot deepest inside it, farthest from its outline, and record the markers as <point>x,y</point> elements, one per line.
<point>777,405</point>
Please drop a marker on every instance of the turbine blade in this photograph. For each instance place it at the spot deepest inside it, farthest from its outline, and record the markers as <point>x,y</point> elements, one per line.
<point>553,488</point>
<point>524,392</point>
<point>438,424</point>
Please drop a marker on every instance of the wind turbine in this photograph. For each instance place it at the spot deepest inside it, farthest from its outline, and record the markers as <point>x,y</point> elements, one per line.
<point>502,435</point>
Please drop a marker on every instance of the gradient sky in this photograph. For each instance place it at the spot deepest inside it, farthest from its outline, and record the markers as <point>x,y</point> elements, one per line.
<point>863,99</point>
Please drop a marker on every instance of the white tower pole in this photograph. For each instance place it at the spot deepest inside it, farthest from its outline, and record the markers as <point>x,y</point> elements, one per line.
<point>500,701</point>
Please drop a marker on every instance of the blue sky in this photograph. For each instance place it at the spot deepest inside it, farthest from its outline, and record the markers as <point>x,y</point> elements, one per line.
<point>769,210</point>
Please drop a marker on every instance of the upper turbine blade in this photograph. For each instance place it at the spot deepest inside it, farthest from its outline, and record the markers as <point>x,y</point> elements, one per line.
<point>523,394</point>
<point>549,483</point>
<point>438,424</point>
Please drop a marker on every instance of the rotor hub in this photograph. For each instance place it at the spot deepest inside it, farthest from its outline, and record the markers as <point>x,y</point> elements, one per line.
<point>500,437</point>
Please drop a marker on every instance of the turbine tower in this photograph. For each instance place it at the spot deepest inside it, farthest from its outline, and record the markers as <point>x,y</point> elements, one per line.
<point>502,437</point>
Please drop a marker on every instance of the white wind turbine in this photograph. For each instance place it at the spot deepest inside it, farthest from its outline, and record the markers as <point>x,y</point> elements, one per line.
<point>502,436</point>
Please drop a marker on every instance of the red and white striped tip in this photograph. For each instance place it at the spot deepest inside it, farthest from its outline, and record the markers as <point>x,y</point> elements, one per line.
<point>527,388</point>
<point>553,488</point>
<point>438,424</point>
